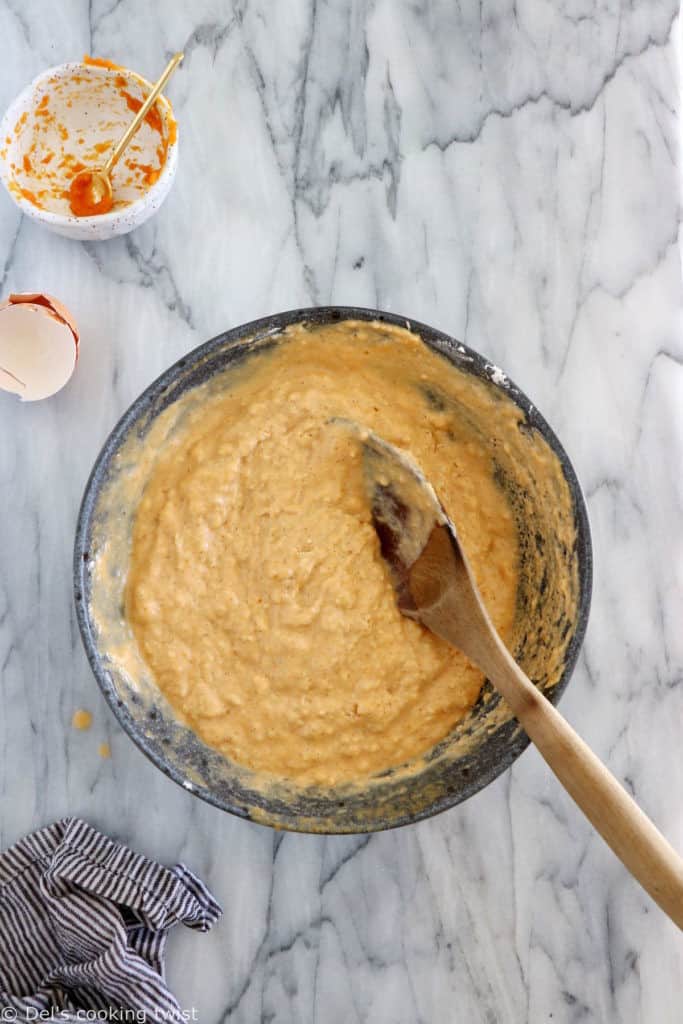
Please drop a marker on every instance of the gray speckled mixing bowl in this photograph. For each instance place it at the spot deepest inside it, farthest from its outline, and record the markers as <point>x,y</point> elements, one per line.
<point>392,799</point>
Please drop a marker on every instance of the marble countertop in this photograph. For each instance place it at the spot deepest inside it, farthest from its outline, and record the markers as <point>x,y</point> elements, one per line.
<point>508,172</point>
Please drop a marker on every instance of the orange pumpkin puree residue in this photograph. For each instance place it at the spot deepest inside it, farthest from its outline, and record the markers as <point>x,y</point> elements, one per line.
<point>81,200</point>
<point>149,174</point>
<point>101,62</point>
<point>74,125</point>
<point>152,117</point>
<point>26,193</point>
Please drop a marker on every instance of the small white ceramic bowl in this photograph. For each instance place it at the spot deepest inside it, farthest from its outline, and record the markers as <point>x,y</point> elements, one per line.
<point>141,201</point>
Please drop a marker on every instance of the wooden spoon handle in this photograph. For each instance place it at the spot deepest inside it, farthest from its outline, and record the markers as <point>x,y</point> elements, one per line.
<point>442,588</point>
<point>606,804</point>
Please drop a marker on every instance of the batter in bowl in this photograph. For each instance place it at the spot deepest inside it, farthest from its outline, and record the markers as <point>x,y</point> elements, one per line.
<point>256,591</point>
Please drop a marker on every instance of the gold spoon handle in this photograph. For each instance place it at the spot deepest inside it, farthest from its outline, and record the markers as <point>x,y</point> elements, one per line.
<point>142,112</point>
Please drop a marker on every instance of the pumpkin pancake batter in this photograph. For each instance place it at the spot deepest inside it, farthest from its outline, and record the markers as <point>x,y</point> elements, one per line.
<point>256,590</point>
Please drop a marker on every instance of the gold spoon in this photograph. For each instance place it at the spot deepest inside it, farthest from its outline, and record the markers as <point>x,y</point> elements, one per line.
<point>90,192</point>
<point>434,585</point>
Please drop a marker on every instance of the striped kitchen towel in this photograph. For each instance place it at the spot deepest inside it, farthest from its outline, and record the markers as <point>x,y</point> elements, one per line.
<point>83,926</point>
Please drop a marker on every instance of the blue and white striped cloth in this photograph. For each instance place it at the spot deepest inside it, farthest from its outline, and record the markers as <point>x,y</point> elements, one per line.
<point>83,926</point>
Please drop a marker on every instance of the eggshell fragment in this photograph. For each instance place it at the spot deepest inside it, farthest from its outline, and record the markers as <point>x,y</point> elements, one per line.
<point>38,346</point>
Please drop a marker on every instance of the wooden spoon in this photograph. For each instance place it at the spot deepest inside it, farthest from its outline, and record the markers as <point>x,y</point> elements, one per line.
<point>435,586</point>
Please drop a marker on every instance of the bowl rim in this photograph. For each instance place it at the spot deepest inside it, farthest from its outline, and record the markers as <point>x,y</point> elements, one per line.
<point>64,220</point>
<point>273,325</point>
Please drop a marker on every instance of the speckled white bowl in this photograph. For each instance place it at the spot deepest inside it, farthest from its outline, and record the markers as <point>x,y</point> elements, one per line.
<point>108,225</point>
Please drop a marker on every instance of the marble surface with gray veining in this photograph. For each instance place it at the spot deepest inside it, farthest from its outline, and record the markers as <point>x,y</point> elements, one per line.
<point>507,170</point>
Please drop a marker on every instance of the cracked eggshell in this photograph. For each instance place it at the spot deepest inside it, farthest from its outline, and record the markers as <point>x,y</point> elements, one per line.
<point>38,345</point>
